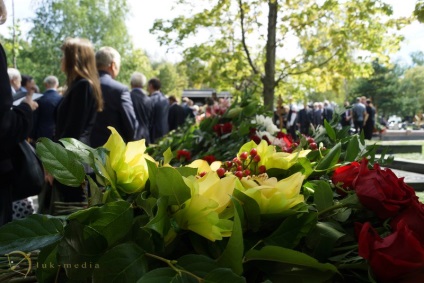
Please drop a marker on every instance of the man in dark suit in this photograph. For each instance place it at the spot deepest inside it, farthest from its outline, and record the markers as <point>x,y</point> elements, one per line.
<point>176,114</point>
<point>44,117</point>
<point>304,119</point>
<point>118,111</point>
<point>159,126</point>
<point>142,106</point>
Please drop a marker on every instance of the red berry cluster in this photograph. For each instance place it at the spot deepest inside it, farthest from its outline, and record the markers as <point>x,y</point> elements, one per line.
<point>244,165</point>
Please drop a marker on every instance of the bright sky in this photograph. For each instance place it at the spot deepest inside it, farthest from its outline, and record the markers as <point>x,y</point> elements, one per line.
<point>143,14</point>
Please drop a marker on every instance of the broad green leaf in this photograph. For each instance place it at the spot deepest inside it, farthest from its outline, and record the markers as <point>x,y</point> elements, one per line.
<point>223,275</point>
<point>232,256</point>
<point>29,234</point>
<point>80,245</point>
<point>161,221</point>
<point>123,263</point>
<point>61,163</point>
<point>288,256</point>
<point>96,194</point>
<point>302,275</point>
<point>187,171</point>
<point>153,171</point>
<point>81,150</point>
<point>167,156</point>
<point>292,230</point>
<point>323,194</point>
<point>323,239</point>
<point>250,208</point>
<point>198,264</point>
<point>147,239</point>
<point>330,159</point>
<point>170,184</point>
<point>47,262</point>
<point>330,131</point>
<point>166,275</point>
<point>112,220</point>
<point>146,202</point>
<point>353,149</point>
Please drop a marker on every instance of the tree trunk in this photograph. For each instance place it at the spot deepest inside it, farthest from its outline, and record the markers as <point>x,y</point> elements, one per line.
<point>268,80</point>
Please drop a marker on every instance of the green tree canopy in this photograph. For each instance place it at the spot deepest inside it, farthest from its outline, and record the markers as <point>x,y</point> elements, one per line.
<point>249,47</point>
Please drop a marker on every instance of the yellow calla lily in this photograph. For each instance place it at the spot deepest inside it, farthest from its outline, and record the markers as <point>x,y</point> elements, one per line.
<point>263,150</point>
<point>274,196</point>
<point>210,196</point>
<point>128,162</point>
<point>284,160</point>
<point>203,165</point>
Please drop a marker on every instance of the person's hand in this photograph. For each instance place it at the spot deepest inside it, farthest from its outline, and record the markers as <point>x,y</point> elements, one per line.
<point>28,100</point>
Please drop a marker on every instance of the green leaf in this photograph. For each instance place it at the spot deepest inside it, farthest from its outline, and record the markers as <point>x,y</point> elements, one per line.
<point>47,264</point>
<point>288,256</point>
<point>165,275</point>
<point>147,203</point>
<point>81,245</point>
<point>31,233</point>
<point>153,171</point>
<point>330,131</point>
<point>167,156</point>
<point>198,264</point>
<point>292,230</point>
<point>123,263</point>
<point>323,239</point>
<point>251,209</point>
<point>353,149</point>
<point>187,171</point>
<point>96,194</point>
<point>81,150</point>
<point>232,256</point>
<point>170,184</point>
<point>112,220</point>
<point>223,275</point>
<point>161,222</point>
<point>323,194</point>
<point>330,159</point>
<point>61,163</point>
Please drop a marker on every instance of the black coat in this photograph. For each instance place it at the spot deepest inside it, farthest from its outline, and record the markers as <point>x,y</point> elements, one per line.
<point>15,123</point>
<point>143,109</point>
<point>118,112</point>
<point>176,116</point>
<point>76,112</point>
<point>44,116</point>
<point>160,116</point>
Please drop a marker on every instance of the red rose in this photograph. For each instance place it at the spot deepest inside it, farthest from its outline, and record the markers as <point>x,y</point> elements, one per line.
<point>183,155</point>
<point>256,139</point>
<point>209,158</point>
<point>217,129</point>
<point>413,216</point>
<point>392,257</point>
<point>227,128</point>
<point>381,191</point>
<point>346,175</point>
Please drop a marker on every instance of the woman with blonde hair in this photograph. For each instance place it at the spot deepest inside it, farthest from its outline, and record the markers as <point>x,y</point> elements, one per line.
<point>81,101</point>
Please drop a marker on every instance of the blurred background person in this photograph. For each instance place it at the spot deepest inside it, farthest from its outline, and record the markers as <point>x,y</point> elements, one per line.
<point>369,122</point>
<point>176,114</point>
<point>142,106</point>
<point>160,103</point>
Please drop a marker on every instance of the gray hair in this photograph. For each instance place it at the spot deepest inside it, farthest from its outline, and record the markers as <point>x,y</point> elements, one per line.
<point>138,80</point>
<point>51,81</point>
<point>105,56</point>
<point>14,73</point>
<point>3,12</point>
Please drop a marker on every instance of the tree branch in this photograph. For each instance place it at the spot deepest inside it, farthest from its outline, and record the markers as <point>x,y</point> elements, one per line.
<point>315,66</point>
<point>243,39</point>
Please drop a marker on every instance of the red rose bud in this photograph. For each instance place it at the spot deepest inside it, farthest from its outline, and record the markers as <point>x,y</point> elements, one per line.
<point>243,156</point>
<point>227,128</point>
<point>346,175</point>
<point>256,139</point>
<point>229,164</point>
<point>239,174</point>
<point>294,145</point>
<point>310,140</point>
<point>220,172</point>
<point>262,169</point>
<point>257,158</point>
<point>413,216</point>
<point>183,154</point>
<point>237,161</point>
<point>253,152</point>
<point>246,172</point>
<point>239,168</point>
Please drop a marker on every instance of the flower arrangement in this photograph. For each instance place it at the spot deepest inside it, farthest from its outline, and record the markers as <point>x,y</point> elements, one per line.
<point>329,214</point>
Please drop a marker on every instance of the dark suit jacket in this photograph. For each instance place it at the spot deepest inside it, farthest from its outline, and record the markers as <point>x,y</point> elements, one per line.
<point>143,109</point>
<point>160,116</point>
<point>76,112</point>
<point>44,117</point>
<point>15,123</point>
<point>176,116</point>
<point>118,112</point>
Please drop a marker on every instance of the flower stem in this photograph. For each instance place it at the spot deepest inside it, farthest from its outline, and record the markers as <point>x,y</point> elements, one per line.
<point>172,263</point>
<point>331,208</point>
